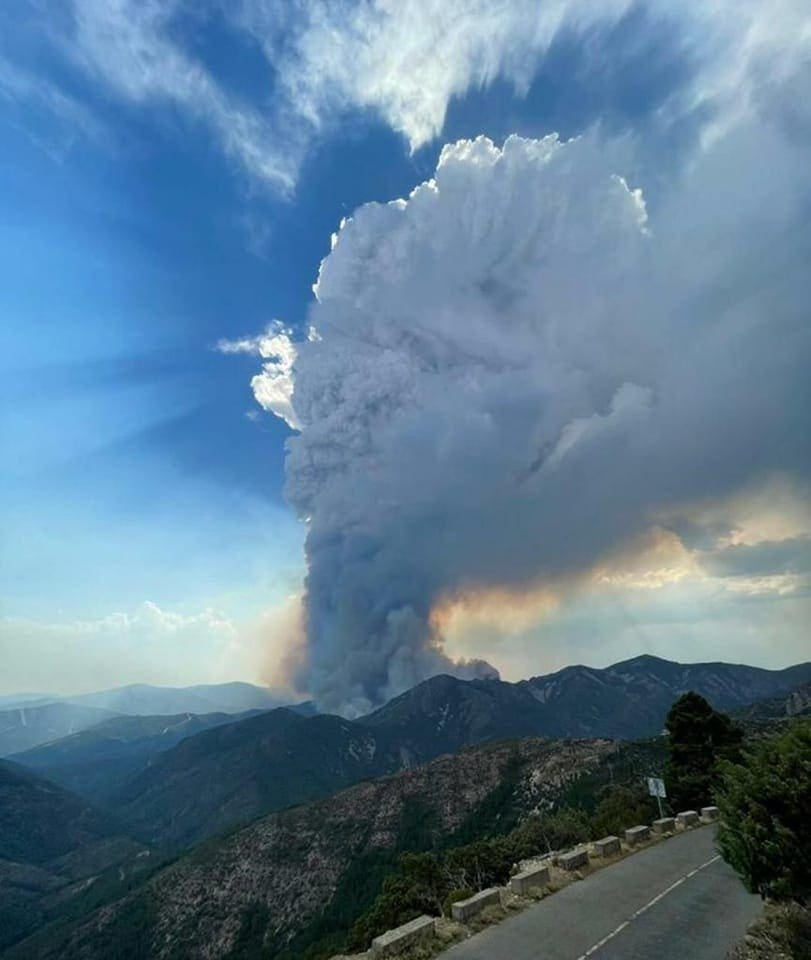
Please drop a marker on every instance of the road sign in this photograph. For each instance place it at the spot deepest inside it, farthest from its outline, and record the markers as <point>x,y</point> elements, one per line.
<point>656,787</point>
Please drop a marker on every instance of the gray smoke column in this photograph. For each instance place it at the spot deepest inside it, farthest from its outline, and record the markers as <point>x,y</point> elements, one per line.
<point>503,381</point>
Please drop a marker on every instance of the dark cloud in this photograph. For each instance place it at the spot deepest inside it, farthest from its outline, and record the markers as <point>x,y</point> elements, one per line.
<point>768,558</point>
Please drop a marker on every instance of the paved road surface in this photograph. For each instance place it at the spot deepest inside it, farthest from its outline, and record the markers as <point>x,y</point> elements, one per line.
<point>676,900</point>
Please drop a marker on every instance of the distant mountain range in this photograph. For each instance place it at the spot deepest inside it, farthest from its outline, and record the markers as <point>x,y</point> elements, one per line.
<point>237,771</point>
<point>174,790</point>
<point>8,700</point>
<point>28,720</point>
<point>29,725</point>
<point>632,698</point>
<point>142,699</point>
<point>97,762</point>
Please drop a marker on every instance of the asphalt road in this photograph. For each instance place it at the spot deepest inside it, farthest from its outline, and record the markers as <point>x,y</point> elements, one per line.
<point>676,900</point>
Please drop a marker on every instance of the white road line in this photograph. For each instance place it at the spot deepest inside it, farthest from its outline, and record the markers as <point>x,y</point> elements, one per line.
<point>648,905</point>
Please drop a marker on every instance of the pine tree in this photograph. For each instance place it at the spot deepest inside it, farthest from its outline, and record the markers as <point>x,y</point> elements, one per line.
<point>698,737</point>
<point>765,805</point>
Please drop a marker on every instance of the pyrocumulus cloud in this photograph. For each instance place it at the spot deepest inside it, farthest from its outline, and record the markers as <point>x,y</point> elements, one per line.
<point>508,375</point>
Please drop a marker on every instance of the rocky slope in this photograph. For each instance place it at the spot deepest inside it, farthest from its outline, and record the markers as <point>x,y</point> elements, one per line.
<point>796,703</point>
<point>234,773</point>
<point>263,884</point>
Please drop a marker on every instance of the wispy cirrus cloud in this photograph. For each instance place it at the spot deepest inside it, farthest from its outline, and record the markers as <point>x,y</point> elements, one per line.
<point>132,52</point>
<point>406,62</point>
<point>34,95</point>
<point>128,46</point>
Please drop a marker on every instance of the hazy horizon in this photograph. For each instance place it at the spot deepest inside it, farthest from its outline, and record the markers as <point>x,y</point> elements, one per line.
<point>7,694</point>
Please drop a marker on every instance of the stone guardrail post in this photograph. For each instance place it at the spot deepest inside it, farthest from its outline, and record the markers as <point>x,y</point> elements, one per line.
<point>635,835</point>
<point>573,860</point>
<point>392,942</point>
<point>463,910</point>
<point>607,846</point>
<point>526,880</point>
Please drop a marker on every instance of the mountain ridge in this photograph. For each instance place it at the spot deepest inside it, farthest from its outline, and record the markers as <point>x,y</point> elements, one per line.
<point>274,760</point>
<point>96,761</point>
<point>144,699</point>
<point>29,725</point>
<point>55,848</point>
<point>272,877</point>
<point>631,698</point>
<point>30,720</point>
<point>235,772</point>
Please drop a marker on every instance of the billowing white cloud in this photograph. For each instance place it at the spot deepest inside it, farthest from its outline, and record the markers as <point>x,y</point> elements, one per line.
<point>518,368</point>
<point>273,387</point>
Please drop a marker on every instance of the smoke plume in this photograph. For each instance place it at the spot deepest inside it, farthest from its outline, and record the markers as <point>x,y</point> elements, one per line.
<point>509,375</point>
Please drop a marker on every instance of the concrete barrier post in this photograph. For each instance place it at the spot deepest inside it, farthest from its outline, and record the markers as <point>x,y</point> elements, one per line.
<point>664,825</point>
<point>709,814</point>
<point>637,835</point>
<point>573,860</point>
<point>395,941</point>
<point>607,846</point>
<point>463,910</point>
<point>526,880</point>
<point>687,818</point>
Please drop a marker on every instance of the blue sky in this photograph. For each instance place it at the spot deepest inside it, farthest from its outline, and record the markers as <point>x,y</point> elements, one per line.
<point>171,176</point>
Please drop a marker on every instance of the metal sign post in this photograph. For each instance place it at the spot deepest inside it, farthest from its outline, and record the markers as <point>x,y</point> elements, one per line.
<point>656,788</point>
